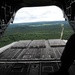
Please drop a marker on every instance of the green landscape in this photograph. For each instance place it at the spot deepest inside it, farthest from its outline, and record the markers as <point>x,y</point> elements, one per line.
<point>35,30</point>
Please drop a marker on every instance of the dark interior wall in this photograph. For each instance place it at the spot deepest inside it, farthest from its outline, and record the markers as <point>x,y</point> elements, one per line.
<point>73,11</point>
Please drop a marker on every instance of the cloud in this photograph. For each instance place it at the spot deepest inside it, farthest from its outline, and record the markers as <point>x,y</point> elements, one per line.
<point>33,14</point>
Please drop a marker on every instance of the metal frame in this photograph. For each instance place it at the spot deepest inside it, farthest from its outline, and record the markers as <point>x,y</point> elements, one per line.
<point>28,60</point>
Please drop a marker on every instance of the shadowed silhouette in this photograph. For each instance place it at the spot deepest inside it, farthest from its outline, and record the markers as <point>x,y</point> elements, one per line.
<point>67,57</point>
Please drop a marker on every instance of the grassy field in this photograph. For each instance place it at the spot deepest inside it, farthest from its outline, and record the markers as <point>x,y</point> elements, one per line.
<point>32,31</point>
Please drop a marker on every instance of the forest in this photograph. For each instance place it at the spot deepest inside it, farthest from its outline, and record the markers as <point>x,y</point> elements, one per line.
<point>38,30</point>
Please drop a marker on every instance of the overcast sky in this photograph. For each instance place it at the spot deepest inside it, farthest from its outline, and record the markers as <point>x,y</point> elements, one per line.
<point>34,14</point>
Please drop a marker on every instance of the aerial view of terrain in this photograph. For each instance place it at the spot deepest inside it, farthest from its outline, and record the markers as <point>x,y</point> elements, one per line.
<point>36,30</point>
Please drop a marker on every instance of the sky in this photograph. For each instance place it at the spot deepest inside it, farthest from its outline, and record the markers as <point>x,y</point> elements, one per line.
<point>36,14</point>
